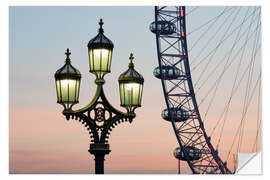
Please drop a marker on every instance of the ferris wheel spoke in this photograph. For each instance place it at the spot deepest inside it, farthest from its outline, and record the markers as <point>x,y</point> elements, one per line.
<point>222,40</point>
<point>212,38</point>
<point>226,9</point>
<point>212,87</point>
<point>240,50</point>
<point>192,10</point>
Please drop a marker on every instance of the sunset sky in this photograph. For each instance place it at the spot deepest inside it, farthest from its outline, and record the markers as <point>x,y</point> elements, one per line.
<point>41,140</point>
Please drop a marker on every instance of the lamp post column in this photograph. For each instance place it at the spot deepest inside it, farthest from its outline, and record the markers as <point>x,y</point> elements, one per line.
<point>99,160</point>
<point>99,151</point>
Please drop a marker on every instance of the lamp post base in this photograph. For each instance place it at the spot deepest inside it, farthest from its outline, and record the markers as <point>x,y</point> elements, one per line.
<point>99,151</point>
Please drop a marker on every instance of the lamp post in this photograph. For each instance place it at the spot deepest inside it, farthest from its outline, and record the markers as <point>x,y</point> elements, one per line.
<point>99,116</point>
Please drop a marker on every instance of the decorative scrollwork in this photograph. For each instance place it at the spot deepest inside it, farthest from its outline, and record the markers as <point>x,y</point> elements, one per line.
<point>96,120</point>
<point>99,113</point>
<point>99,117</point>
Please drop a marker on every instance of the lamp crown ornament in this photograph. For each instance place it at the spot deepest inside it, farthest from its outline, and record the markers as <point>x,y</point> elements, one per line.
<point>131,57</point>
<point>100,26</point>
<point>68,53</point>
<point>131,74</point>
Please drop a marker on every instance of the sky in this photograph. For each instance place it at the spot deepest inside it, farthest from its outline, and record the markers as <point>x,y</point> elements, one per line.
<point>41,140</point>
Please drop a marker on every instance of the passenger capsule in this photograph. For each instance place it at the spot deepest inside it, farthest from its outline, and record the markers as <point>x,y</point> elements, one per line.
<point>163,27</point>
<point>193,153</point>
<point>168,72</point>
<point>179,115</point>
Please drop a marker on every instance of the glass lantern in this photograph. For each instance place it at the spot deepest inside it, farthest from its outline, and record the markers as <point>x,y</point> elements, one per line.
<point>131,87</point>
<point>100,53</point>
<point>67,80</point>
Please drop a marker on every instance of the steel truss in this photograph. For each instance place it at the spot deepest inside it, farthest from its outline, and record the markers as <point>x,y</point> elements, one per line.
<point>179,93</point>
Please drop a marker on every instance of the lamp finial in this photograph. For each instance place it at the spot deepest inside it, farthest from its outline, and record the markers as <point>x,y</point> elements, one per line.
<point>100,26</point>
<point>68,54</point>
<point>131,57</point>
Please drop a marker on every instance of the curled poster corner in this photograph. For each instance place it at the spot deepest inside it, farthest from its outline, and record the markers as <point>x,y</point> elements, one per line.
<point>249,163</point>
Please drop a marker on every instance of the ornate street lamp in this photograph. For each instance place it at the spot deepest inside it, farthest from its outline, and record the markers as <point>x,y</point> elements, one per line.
<point>131,86</point>
<point>100,53</point>
<point>99,116</point>
<point>67,80</point>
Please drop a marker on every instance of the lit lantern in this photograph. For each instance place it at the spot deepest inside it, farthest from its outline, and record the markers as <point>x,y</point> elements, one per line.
<point>131,87</point>
<point>67,80</point>
<point>100,53</point>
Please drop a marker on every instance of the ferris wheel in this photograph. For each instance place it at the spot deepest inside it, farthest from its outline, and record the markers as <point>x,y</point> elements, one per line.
<point>210,70</point>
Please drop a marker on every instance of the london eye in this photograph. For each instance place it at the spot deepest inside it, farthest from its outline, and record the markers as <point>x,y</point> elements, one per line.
<point>210,71</point>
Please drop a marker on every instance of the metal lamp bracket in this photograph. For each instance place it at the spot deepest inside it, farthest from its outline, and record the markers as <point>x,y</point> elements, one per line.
<point>99,116</point>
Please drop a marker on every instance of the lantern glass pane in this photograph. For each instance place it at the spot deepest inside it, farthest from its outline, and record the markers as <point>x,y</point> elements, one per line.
<point>100,60</point>
<point>109,60</point>
<point>58,90</point>
<point>97,59</point>
<point>91,64</point>
<point>140,94</point>
<point>122,90</point>
<point>68,88</point>
<point>131,94</point>
<point>77,89</point>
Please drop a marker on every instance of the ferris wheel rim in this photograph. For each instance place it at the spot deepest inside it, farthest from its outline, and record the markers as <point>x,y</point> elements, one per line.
<point>221,165</point>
